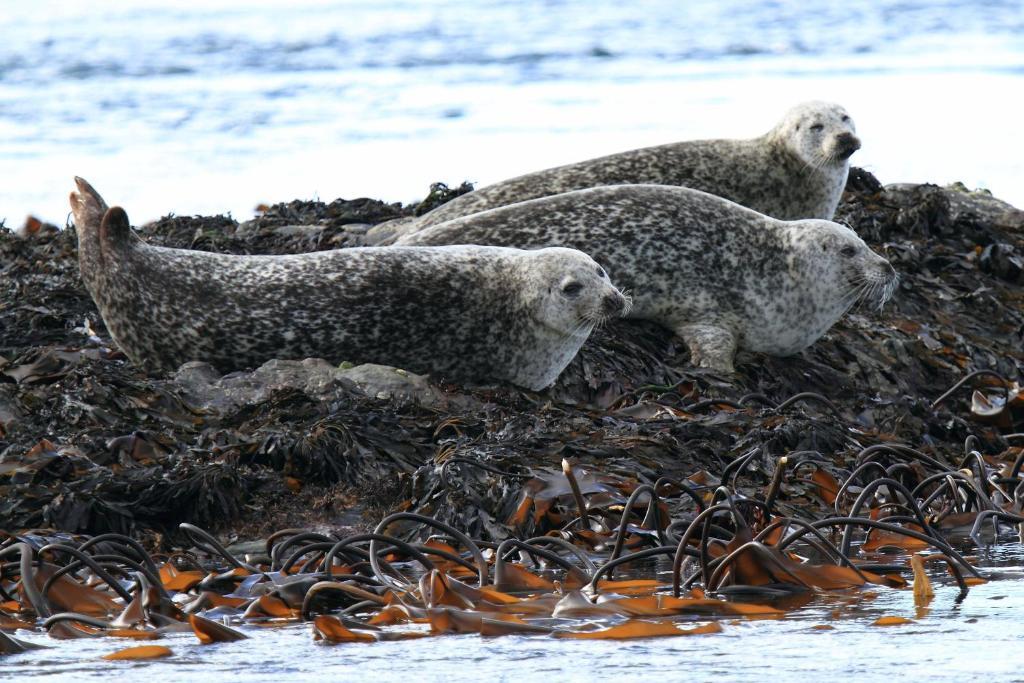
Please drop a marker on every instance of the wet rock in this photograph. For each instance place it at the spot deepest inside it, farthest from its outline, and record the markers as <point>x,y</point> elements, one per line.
<point>861,181</point>
<point>386,383</point>
<point>207,389</point>
<point>202,233</point>
<point>977,206</point>
<point>90,443</point>
<point>337,213</point>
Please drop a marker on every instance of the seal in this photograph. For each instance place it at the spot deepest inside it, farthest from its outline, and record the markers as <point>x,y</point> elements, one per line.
<point>466,313</point>
<point>796,170</point>
<point>721,276</point>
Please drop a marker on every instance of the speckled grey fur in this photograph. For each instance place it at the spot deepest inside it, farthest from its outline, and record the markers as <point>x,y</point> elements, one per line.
<point>460,313</point>
<point>794,171</point>
<point>721,276</point>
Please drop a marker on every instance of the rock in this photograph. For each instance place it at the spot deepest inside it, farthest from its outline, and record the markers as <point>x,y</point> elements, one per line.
<point>862,181</point>
<point>95,444</point>
<point>977,206</point>
<point>337,213</point>
<point>205,388</point>
<point>404,388</point>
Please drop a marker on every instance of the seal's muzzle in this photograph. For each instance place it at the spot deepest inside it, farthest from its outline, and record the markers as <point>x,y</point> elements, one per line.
<point>613,305</point>
<point>846,145</point>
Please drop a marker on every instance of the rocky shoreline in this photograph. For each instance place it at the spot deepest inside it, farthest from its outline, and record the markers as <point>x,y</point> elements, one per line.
<point>90,445</point>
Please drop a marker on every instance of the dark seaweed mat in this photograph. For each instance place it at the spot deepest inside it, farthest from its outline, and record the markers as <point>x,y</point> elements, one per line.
<point>128,453</point>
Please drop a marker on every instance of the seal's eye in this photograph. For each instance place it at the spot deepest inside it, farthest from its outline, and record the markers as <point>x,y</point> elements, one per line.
<point>818,127</point>
<point>846,119</point>
<point>600,271</point>
<point>572,289</point>
<point>848,251</point>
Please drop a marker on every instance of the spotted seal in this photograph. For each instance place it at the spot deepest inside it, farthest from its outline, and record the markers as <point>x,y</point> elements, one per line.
<point>460,313</point>
<point>723,277</point>
<point>796,170</point>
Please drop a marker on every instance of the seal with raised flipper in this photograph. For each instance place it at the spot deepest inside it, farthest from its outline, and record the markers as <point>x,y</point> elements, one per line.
<point>466,313</point>
<point>796,170</point>
<point>721,276</point>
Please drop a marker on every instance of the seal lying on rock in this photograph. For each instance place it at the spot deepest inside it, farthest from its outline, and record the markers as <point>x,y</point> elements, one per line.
<point>796,170</point>
<point>466,313</point>
<point>719,275</point>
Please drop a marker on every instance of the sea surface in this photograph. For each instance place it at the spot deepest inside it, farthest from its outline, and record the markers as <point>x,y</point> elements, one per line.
<point>973,640</point>
<point>217,106</point>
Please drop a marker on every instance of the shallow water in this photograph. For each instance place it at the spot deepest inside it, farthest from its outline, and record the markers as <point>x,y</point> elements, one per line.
<point>967,641</point>
<point>188,108</point>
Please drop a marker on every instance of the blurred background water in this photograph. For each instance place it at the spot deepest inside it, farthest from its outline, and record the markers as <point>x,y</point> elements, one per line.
<point>216,106</point>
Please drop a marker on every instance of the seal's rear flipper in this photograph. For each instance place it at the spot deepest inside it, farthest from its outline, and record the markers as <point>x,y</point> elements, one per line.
<point>97,224</point>
<point>87,206</point>
<point>89,211</point>
<point>115,230</point>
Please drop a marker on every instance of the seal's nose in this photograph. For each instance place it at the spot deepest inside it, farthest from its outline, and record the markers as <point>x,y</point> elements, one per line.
<point>613,305</point>
<point>888,270</point>
<point>847,144</point>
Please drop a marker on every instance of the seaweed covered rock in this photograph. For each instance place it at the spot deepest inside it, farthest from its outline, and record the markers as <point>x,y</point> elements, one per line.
<point>288,228</point>
<point>90,444</point>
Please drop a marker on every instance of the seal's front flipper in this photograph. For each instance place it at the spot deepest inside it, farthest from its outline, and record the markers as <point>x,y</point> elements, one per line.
<point>710,346</point>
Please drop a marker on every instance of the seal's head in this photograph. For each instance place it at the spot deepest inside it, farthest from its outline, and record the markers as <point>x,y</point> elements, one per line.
<point>820,134</point>
<point>572,293</point>
<point>842,266</point>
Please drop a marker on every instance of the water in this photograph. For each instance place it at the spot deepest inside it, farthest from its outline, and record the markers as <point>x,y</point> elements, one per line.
<point>189,108</point>
<point>967,641</point>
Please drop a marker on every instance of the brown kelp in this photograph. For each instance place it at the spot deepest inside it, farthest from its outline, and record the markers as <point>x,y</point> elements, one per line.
<point>619,560</point>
